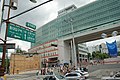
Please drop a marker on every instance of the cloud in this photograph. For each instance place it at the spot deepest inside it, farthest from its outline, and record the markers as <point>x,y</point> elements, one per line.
<point>40,15</point>
<point>43,13</point>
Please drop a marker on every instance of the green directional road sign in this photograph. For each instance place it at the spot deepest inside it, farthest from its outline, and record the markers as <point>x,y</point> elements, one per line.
<point>30,25</point>
<point>1,49</point>
<point>8,45</point>
<point>18,32</point>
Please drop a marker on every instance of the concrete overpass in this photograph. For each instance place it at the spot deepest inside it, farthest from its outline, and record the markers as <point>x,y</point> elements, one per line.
<point>90,34</point>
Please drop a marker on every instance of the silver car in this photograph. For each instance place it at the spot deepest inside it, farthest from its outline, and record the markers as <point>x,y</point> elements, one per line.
<point>73,76</point>
<point>83,73</point>
<point>114,77</point>
<point>53,77</point>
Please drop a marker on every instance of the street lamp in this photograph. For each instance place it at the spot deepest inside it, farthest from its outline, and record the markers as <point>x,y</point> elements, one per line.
<point>34,1</point>
<point>73,41</point>
<point>12,5</point>
<point>114,33</point>
<point>103,35</point>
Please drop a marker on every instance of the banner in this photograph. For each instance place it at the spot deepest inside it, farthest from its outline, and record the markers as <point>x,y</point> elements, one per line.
<point>112,49</point>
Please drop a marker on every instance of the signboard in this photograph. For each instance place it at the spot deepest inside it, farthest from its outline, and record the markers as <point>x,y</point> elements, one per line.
<point>18,32</point>
<point>1,49</point>
<point>9,45</point>
<point>30,25</point>
<point>112,49</point>
<point>1,5</point>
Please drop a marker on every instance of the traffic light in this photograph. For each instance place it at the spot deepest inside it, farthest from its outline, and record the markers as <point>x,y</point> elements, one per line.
<point>55,45</point>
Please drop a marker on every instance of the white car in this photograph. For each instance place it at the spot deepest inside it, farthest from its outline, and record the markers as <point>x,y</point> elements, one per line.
<point>114,77</point>
<point>53,77</point>
<point>83,73</point>
<point>73,76</point>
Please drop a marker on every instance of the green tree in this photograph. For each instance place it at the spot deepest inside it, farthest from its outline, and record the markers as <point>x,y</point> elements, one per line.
<point>93,54</point>
<point>89,56</point>
<point>99,55</point>
<point>118,53</point>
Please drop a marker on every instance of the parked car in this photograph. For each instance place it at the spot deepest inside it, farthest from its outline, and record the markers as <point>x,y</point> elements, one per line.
<point>73,76</point>
<point>85,74</point>
<point>114,77</point>
<point>53,77</point>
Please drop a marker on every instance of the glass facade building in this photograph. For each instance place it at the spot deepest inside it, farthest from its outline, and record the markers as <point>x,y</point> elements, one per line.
<point>96,15</point>
<point>92,15</point>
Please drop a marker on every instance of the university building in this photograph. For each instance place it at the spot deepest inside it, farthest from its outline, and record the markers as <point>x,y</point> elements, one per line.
<point>100,13</point>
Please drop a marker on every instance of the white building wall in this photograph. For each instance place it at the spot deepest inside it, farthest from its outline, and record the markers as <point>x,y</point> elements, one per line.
<point>63,51</point>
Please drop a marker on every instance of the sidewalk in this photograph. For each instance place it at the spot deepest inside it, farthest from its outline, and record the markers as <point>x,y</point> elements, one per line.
<point>33,71</point>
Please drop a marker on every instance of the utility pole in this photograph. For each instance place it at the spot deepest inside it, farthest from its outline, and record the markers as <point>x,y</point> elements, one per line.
<point>4,47</point>
<point>73,42</point>
<point>2,67</point>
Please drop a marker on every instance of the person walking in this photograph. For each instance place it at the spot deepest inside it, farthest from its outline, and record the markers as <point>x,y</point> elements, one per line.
<point>37,74</point>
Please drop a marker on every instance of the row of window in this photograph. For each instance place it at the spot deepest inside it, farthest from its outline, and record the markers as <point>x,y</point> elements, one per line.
<point>87,16</point>
<point>81,55</point>
<point>44,47</point>
<point>48,54</point>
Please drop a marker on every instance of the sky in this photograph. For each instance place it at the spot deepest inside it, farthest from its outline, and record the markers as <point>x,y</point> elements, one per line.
<point>38,16</point>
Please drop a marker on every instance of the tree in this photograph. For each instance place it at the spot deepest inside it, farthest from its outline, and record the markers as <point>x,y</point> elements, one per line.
<point>19,50</point>
<point>99,55</point>
<point>89,56</point>
<point>118,53</point>
<point>93,54</point>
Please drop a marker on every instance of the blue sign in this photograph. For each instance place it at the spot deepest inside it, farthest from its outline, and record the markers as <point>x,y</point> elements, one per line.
<point>112,49</point>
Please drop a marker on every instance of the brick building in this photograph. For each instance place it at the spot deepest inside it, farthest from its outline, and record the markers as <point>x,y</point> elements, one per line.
<point>24,62</point>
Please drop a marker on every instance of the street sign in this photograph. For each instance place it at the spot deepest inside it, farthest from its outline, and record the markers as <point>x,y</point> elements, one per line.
<point>9,45</point>
<point>30,25</point>
<point>1,49</point>
<point>19,32</point>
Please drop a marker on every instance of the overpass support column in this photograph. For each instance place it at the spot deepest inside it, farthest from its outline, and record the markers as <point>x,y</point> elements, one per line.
<point>64,51</point>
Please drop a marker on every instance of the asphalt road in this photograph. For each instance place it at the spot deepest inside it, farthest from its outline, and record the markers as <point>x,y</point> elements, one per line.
<point>93,68</point>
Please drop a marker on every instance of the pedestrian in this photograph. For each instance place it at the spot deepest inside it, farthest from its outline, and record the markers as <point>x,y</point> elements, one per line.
<point>37,73</point>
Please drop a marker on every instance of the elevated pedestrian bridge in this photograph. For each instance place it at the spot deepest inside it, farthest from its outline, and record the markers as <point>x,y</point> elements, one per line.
<point>88,34</point>
<point>93,33</point>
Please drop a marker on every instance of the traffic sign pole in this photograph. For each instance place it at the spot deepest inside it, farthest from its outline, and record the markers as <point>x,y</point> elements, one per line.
<point>2,68</point>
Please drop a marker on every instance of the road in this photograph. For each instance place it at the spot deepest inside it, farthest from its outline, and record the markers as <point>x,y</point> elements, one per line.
<point>96,72</point>
<point>105,66</point>
<point>25,76</point>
